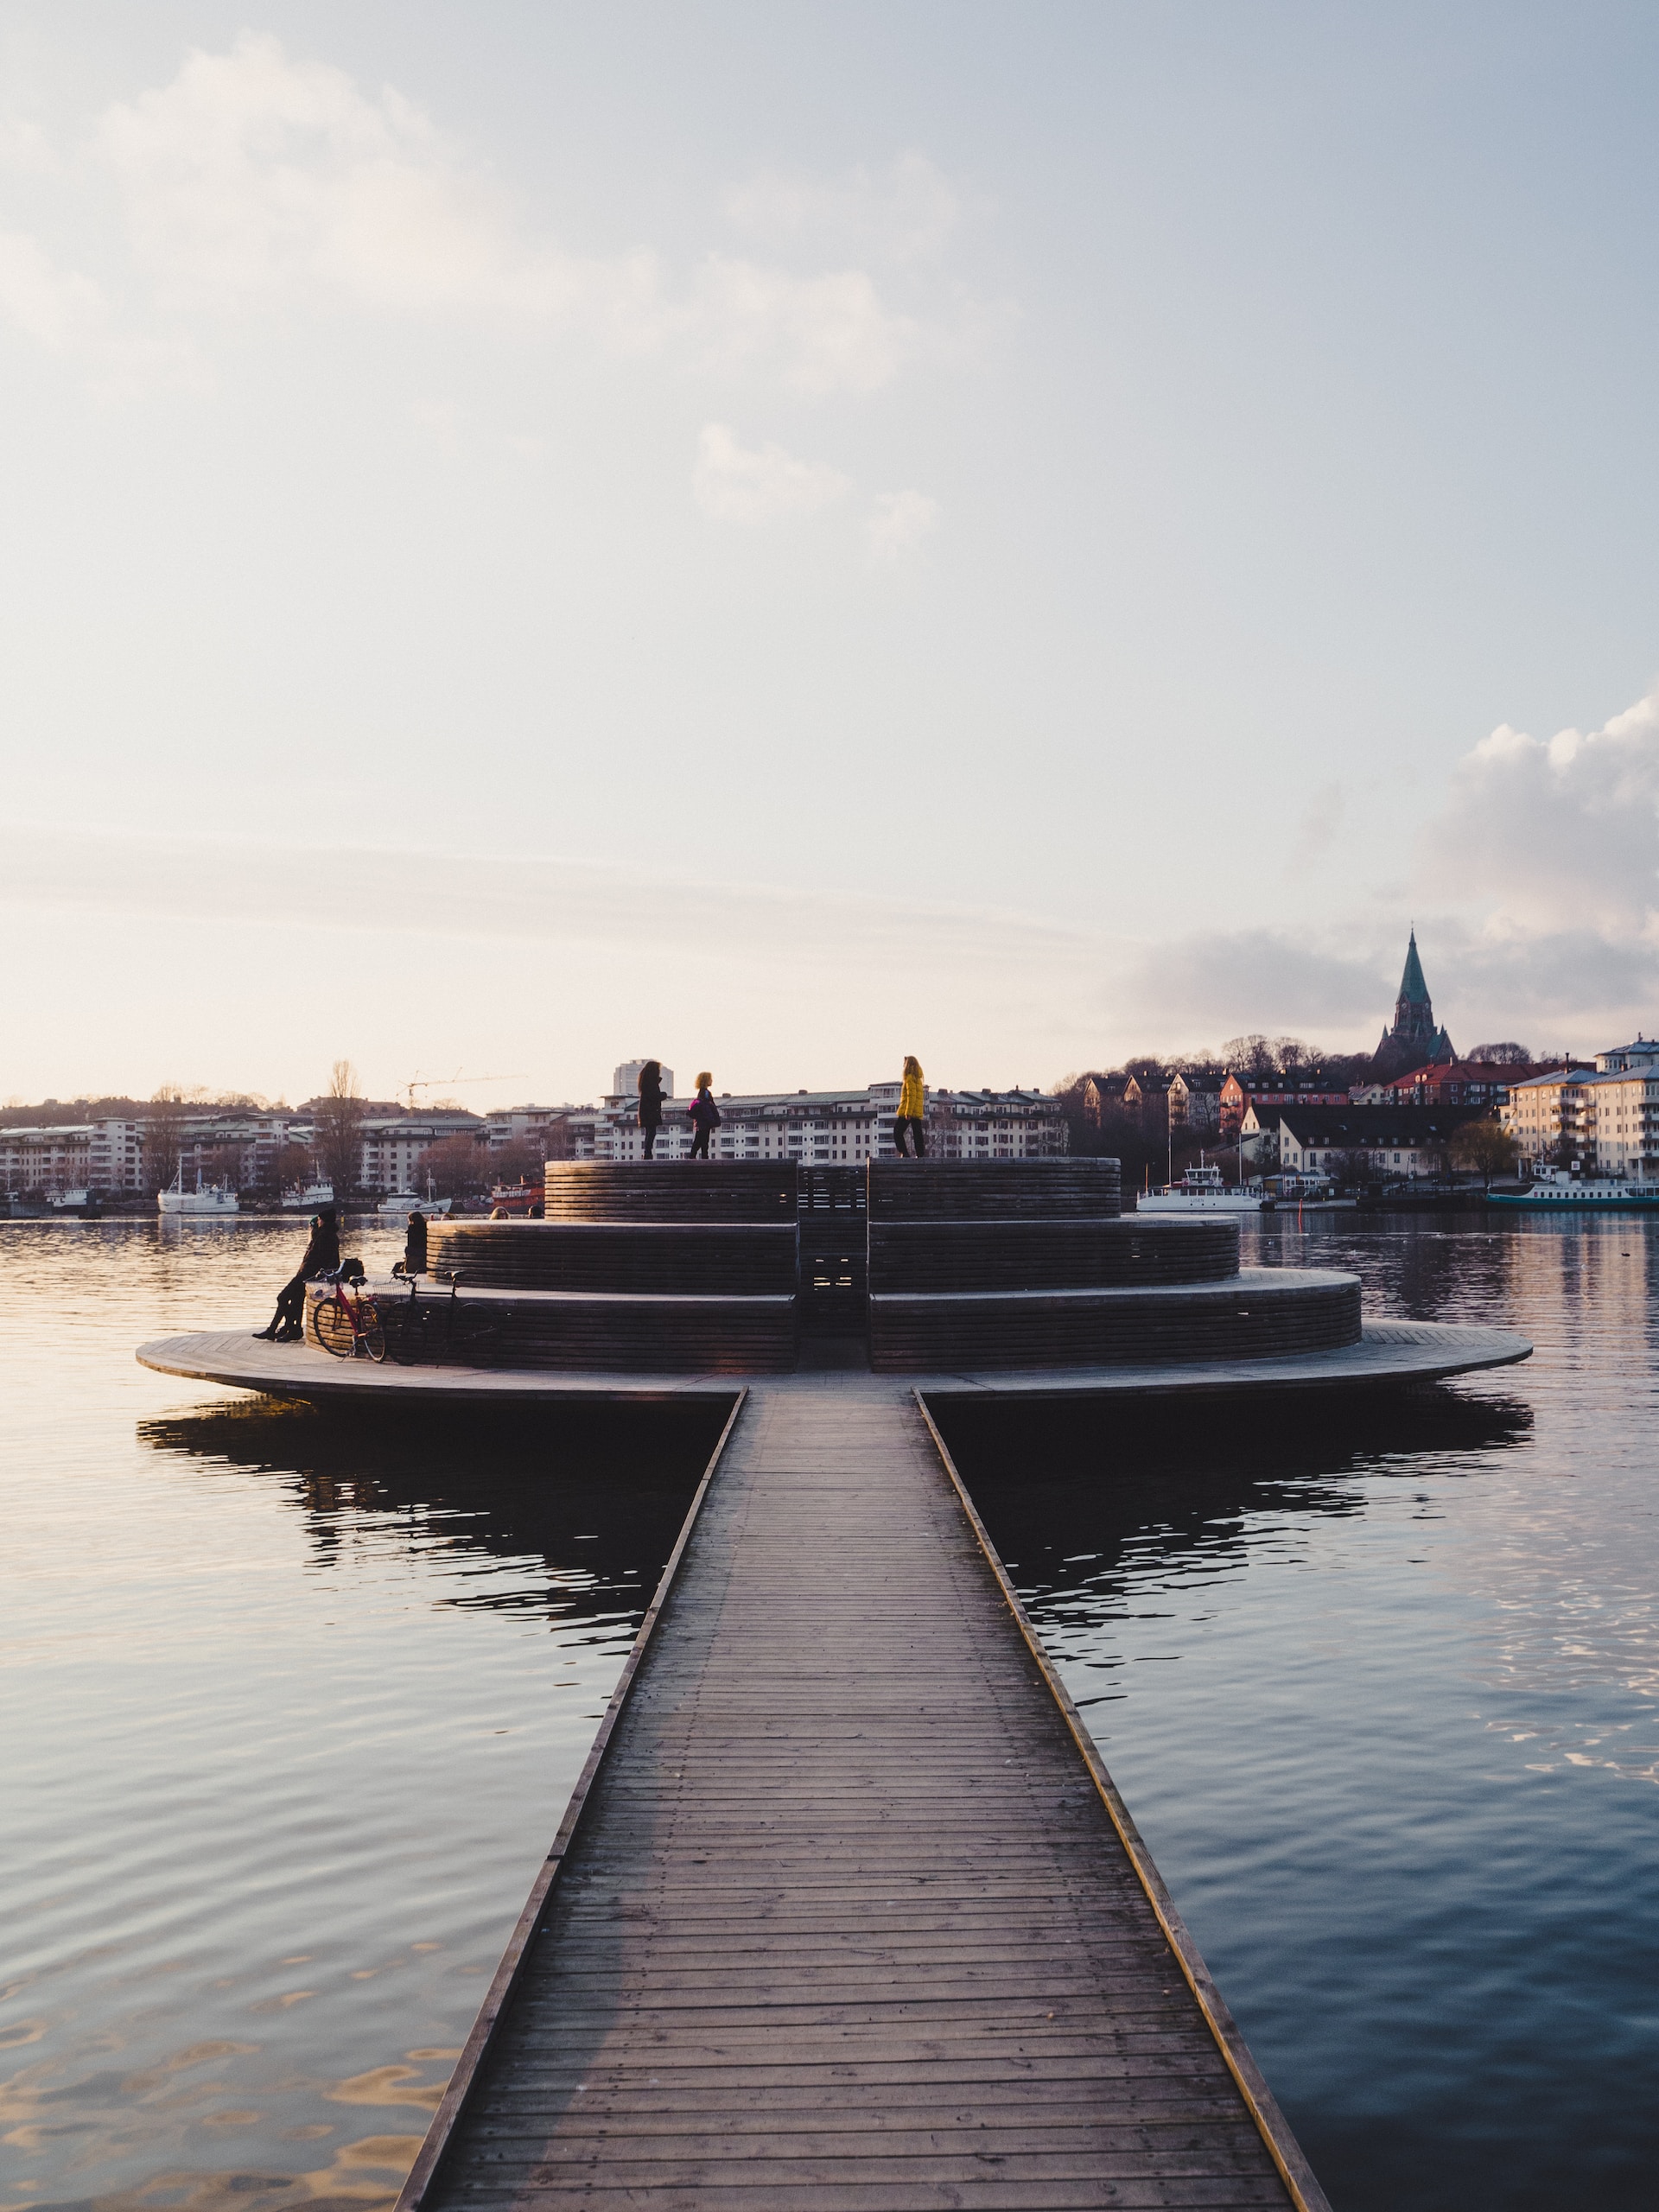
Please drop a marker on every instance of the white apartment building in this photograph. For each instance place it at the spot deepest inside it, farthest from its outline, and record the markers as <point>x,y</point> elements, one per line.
<point>103,1157</point>
<point>829,1128</point>
<point>1606,1117</point>
<point>391,1147</point>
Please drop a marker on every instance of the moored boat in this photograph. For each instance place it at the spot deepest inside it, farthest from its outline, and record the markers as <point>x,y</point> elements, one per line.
<point>1553,1188</point>
<point>1200,1191</point>
<point>307,1200</point>
<point>207,1198</point>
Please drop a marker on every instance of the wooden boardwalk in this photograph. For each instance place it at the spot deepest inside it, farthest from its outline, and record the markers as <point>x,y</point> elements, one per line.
<point>842,1916</point>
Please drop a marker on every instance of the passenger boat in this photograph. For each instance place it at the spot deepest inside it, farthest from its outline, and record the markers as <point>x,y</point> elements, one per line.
<point>1200,1191</point>
<point>209,1198</point>
<point>78,1201</point>
<point>1553,1188</point>
<point>402,1204</point>
<point>308,1199</point>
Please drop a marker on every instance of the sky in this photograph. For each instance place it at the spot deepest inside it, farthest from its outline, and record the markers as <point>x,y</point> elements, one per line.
<point>781,536</point>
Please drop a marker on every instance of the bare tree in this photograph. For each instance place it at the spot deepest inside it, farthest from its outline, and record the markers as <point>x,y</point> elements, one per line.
<point>1250,1055</point>
<point>163,1133</point>
<point>1507,1055</point>
<point>340,1124</point>
<point>461,1167</point>
<point>1482,1148</point>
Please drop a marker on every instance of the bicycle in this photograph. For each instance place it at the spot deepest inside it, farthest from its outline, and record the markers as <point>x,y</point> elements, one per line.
<point>340,1323</point>
<point>441,1329</point>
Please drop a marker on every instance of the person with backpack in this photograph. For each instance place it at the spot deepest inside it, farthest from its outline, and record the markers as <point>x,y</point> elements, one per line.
<point>705,1116</point>
<point>321,1257</point>
<point>651,1105</point>
<point>912,1108</point>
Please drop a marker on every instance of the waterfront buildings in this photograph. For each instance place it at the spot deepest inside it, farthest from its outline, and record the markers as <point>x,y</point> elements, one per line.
<point>1604,1118</point>
<point>830,1129</point>
<point>104,1157</point>
<point>1387,1142</point>
<point>1238,1093</point>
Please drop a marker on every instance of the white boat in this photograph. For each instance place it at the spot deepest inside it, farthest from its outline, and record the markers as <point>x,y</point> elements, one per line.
<point>1199,1190</point>
<point>307,1200</point>
<point>207,1198</point>
<point>402,1204</point>
<point>68,1201</point>
<point>1554,1188</point>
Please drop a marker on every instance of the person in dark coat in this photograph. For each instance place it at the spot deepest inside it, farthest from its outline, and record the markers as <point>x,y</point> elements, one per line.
<point>321,1258</point>
<point>705,1116</point>
<point>651,1103</point>
<point>414,1243</point>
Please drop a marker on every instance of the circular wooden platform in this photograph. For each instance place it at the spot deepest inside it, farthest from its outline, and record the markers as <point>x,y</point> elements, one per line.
<point>1388,1353</point>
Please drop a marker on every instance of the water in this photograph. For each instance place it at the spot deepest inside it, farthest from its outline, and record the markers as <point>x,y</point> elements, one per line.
<point>1379,1685</point>
<point>289,1709</point>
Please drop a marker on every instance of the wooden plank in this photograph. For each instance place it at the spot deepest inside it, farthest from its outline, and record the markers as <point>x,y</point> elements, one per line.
<point>846,1920</point>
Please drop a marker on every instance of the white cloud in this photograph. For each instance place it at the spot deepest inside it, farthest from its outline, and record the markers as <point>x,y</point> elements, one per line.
<point>1562,835</point>
<point>904,212</point>
<point>254,180</point>
<point>67,314</point>
<point>899,523</point>
<point>822,333</point>
<point>734,483</point>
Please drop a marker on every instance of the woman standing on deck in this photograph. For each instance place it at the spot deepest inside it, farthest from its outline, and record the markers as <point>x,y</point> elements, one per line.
<point>651,1103</point>
<point>912,1105</point>
<point>705,1116</point>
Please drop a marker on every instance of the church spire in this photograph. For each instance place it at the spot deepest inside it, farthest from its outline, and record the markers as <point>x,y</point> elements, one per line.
<point>1414,991</point>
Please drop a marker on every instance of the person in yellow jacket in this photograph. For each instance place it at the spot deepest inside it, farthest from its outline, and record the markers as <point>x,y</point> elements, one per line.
<point>912,1104</point>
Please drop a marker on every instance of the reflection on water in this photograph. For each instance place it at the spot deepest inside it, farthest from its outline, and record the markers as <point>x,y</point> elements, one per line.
<point>1378,1681</point>
<point>291,1705</point>
<point>291,1708</point>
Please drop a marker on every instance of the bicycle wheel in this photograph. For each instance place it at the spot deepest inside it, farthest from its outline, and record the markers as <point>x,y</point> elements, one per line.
<point>331,1324</point>
<point>405,1329</point>
<point>369,1328</point>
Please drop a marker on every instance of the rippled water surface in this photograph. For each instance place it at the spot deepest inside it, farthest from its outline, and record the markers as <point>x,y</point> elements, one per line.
<point>291,1707</point>
<point>289,1713</point>
<point>1379,1685</point>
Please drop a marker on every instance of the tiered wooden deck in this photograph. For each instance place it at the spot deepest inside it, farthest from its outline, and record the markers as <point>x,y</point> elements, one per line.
<point>845,1913</point>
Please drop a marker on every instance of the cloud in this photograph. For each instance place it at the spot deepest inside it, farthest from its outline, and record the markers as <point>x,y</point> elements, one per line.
<point>735,484</point>
<point>1560,835</point>
<point>899,523</point>
<point>822,333</point>
<point>254,181</point>
<point>252,178</point>
<point>68,314</point>
<point>904,212</point>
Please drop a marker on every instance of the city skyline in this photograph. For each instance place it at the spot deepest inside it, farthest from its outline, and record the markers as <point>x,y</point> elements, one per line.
<point>536,536</point>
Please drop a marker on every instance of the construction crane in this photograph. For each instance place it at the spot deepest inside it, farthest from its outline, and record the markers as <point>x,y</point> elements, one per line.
<point>455,1082</point>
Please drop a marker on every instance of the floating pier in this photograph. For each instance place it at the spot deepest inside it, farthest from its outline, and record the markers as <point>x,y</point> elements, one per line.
<point>845,1912</point>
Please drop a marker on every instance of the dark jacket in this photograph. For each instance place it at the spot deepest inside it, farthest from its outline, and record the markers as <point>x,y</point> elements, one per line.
<point>704,1111</point>
<point>322,1253</point>
<point>650,1100</point>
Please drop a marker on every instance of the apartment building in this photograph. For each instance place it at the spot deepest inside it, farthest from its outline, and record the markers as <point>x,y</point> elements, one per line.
<point>105,1158</point>
<point>391,1145</point>
<point>1606,1118</point>
<point>830,1129</point>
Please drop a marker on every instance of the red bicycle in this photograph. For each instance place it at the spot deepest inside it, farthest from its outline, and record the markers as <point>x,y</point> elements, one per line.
<point>348,1318</point>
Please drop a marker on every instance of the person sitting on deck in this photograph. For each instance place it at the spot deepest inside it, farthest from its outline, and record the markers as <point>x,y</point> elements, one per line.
<point>705,1116</point>
<point>912,1106</point>
<point>322,1256</point>
<point>651,1103</point>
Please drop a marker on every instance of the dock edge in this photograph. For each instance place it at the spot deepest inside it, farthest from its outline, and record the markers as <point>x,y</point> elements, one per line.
<point>1275,2129</point>
<point>462,2082</point>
